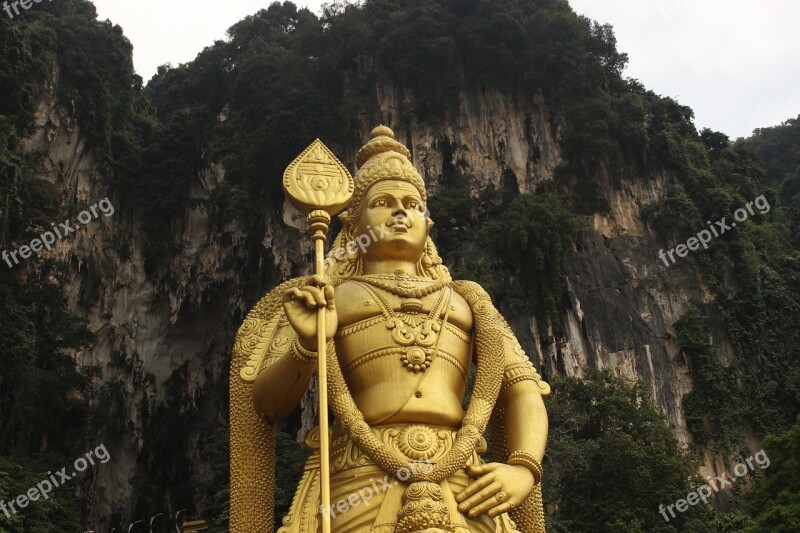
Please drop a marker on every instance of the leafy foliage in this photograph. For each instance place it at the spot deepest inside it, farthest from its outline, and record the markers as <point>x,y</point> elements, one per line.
<point>56,514</point>
<point>39,380</point>
<point>711,382</point>
<point>774,501</point>
<point>612,459</point>
<point>753,272</point>
<point>779,146</point>
<point>532,241</point>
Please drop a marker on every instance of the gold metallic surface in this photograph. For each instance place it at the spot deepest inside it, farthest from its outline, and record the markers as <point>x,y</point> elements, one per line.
<point>398,365</point>
<point>318,180</point>
<point>253,439</point>
<point>528,461</point>
<point>319,185</point>
<point>302,355</point>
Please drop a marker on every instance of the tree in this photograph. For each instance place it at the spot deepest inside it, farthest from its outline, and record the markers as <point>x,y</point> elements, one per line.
<point>532,241</point>
<point>774,500</point>
<point>57,513</point>
<point>612,460</point>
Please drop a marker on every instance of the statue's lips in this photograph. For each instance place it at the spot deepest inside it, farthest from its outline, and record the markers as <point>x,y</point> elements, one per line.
<point>399,228</point>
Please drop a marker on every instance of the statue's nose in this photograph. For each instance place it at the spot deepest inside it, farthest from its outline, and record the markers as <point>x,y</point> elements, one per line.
<point>400,211</point>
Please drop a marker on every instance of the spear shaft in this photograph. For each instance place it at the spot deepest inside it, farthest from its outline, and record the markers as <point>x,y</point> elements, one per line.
<point>320,186</point>
<point>319,222</point>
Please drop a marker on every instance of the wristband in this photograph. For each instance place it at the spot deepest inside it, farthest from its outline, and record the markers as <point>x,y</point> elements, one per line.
<point>302,355</point>
<point>528,461</point>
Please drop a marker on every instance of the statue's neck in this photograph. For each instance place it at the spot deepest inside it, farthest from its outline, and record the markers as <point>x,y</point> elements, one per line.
<point>390,267</point>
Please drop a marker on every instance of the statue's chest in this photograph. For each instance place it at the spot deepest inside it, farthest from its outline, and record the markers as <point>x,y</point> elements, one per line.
<point>359,303</point>
<point>393,337</point>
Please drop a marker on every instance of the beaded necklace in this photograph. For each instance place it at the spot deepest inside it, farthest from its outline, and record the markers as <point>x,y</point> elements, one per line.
<point>417,334</point>
<point>405,287</point>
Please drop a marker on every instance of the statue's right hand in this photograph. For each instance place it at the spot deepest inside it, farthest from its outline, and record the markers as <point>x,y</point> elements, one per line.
<point>301,306</point>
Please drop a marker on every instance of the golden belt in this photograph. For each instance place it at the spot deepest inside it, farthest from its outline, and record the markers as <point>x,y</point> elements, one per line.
<point>419,443</point>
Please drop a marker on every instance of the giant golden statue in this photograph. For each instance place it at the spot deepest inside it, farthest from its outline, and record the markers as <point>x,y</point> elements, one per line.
<point>401,340</point>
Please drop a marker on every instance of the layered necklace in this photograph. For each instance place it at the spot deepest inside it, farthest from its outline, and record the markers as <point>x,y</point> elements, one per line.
<point>416,333</point>
<point>405,287</point>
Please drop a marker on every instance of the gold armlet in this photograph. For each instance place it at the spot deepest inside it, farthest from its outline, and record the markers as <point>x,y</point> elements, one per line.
<point>528,461</point>
<point>524,371</point>
<point>517,373</point>
<point>302,355</point>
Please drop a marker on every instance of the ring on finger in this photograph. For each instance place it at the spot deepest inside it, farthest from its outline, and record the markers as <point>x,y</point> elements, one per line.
<point>500,496</point>
<point>506,507</point>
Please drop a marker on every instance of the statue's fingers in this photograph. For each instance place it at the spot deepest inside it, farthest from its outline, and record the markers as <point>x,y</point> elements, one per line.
<point>308,299</point>
<point>318,299</point>
<point>330,297</point>
<point>490,503</point>
<point>500,509</point>
<point>480,470</point>
<point>482,501</point>
<point>293,294</point>
<point>474,487</point>
<point>320,280</point>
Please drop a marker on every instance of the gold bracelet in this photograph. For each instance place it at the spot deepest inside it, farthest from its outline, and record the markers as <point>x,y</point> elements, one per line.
<point>301,354</point>
<point>528,461</point>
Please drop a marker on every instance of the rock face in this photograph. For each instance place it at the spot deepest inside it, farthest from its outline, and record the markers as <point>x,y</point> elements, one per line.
<point>163,340</point>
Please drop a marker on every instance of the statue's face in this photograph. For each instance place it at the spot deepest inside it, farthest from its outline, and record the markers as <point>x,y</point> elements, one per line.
<point>394,213</point>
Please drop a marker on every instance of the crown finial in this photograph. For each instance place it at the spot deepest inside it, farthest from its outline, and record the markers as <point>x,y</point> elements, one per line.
<point>382,141</point>
<point>382,131</point>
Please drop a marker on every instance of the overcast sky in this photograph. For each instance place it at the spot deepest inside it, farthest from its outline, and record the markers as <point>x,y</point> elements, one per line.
<point>735,62</point>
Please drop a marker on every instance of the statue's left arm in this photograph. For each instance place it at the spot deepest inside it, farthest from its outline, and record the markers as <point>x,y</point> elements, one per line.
<point>501,486</point>
<point>521,397</point>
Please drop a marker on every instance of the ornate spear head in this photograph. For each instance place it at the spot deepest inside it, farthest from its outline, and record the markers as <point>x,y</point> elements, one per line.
<point>316,180</point>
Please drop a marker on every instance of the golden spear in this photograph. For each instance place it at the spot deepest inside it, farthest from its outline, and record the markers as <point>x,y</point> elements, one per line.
<point>320,186</point>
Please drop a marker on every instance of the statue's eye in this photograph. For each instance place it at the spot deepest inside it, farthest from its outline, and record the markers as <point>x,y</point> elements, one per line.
<point>379,203</point>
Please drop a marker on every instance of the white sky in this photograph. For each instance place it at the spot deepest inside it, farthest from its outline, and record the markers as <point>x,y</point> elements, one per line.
<point>735,62</point>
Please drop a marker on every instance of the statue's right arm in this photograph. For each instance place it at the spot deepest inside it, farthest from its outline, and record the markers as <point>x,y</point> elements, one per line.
<point>280,387</point>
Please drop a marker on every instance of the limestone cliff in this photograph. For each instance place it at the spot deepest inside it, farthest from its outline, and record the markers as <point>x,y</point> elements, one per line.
<point>163,340</point>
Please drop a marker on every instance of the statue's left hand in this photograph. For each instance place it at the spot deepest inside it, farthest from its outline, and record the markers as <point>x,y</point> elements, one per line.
<point>498,489</point>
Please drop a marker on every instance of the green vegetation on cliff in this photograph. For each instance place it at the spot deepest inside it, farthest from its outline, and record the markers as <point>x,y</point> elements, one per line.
<point>754,274</point>
<point>779,146</point>
<point>45,400</point>
<point>613,461</point>
<point>774,501</point>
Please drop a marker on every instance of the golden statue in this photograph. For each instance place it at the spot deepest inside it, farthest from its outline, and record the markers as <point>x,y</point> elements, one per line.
<point>400,341</point>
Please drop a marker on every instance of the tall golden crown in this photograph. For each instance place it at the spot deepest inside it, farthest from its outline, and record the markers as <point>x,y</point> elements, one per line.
<point>384,158</point>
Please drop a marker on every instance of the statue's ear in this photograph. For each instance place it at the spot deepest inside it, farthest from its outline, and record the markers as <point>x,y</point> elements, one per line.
<point>349,234</point>
<point>340,263</point>
<point>431,263</point>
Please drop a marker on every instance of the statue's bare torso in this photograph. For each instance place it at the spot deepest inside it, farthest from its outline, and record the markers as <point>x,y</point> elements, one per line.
<point>384,390</point>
